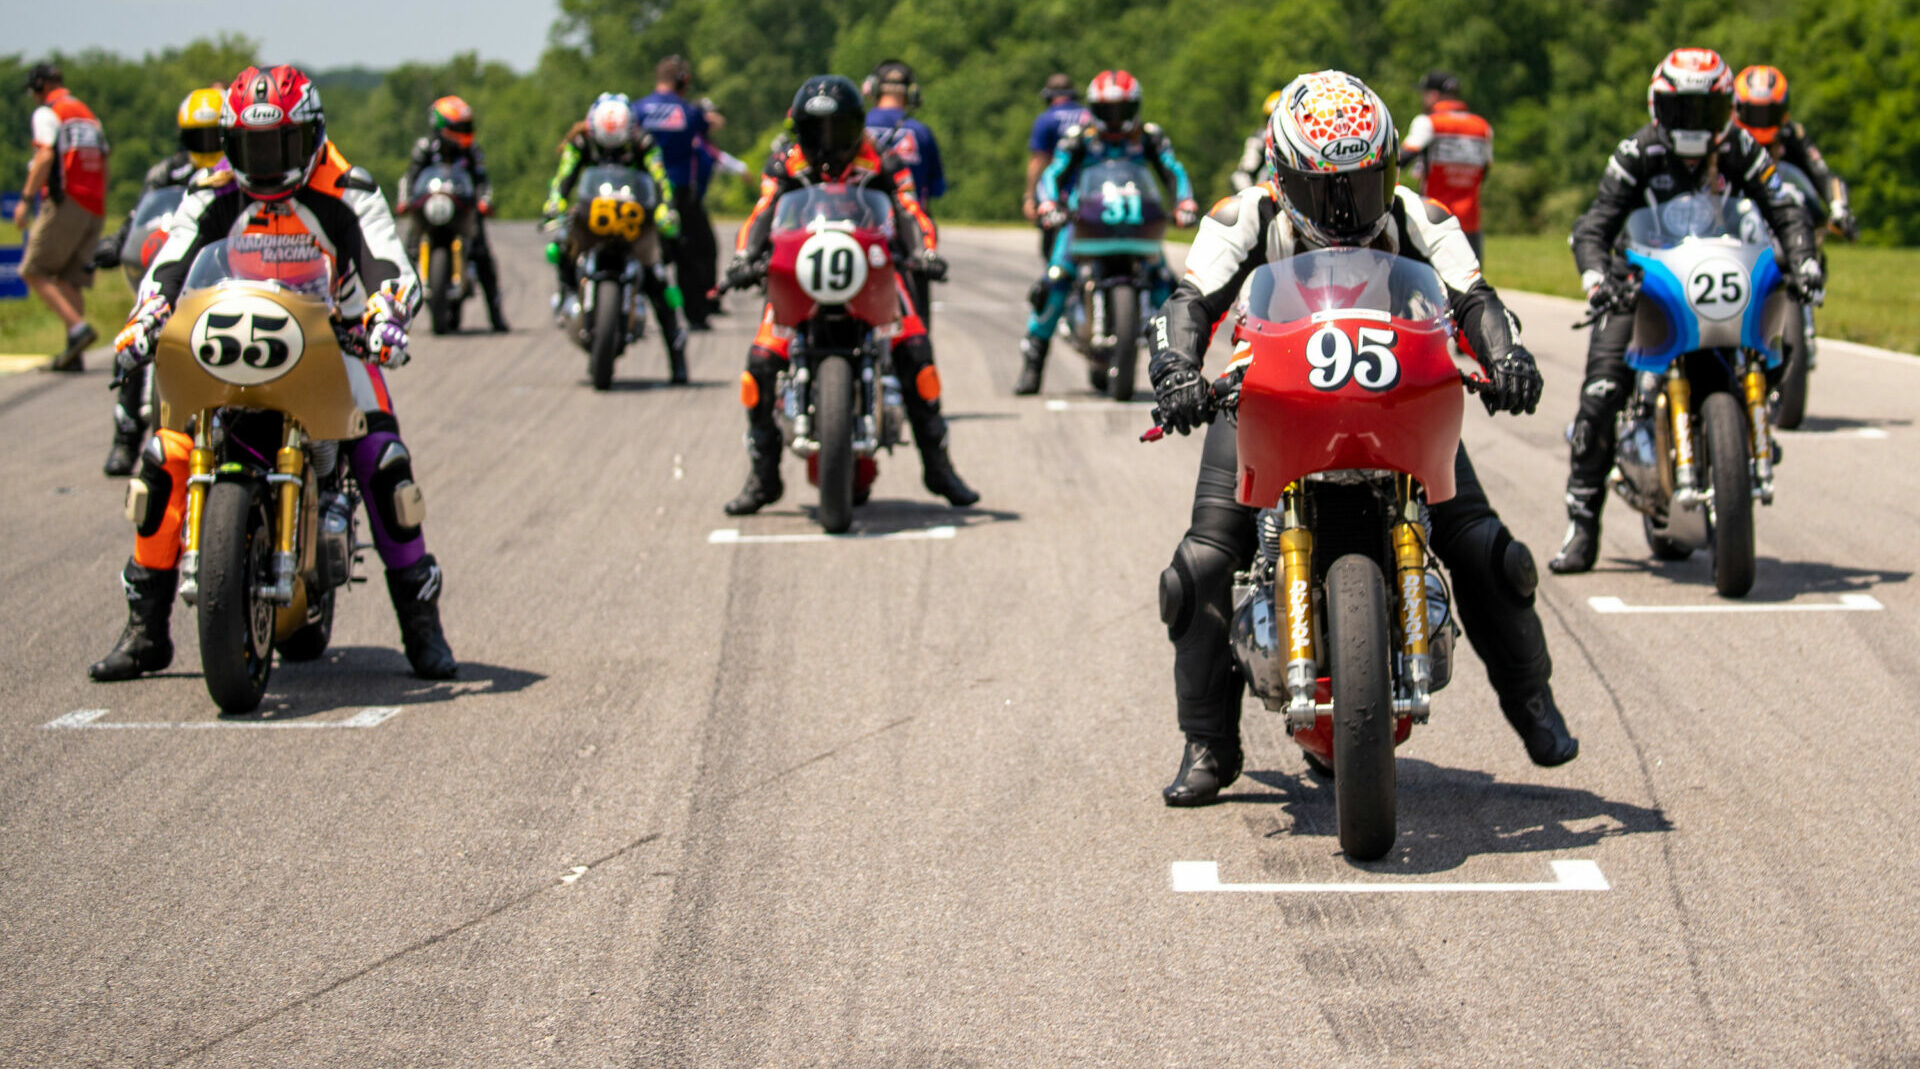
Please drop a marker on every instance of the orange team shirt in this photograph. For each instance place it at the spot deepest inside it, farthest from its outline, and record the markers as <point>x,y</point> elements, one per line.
<point>79,146</point>
<point>1455,147</point>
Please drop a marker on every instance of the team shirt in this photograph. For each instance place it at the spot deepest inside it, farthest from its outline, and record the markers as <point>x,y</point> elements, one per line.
<point>1053,124</point>
<point>675,126</point>
<point>1454,148</point>
<point>79,146</point>
<point>892,131</point>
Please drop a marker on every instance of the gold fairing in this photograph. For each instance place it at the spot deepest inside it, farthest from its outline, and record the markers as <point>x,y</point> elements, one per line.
<point>315,392</point>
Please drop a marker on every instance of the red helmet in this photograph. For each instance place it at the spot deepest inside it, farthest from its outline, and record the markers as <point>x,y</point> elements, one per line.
<point>1760,102</point>
<point>1691,98</point>
<point>1113,99</point>
<point>453,120</point>
<point>273,129</point>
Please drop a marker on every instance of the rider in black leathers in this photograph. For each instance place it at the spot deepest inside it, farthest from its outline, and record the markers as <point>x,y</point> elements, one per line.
<point>451,143</point>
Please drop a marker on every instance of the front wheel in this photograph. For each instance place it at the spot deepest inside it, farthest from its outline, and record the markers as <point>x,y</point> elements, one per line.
<point>1732,485</point>
<point>236,624</point>
<point>1363,774</point>
<point>440,290</point>
<point>609,331</point>
<point>1793,383</point>
<point>1123,303</point>
<point>833,419</point>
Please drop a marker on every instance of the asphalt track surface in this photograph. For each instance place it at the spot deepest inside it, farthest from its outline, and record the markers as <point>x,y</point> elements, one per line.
<point>895,801</point>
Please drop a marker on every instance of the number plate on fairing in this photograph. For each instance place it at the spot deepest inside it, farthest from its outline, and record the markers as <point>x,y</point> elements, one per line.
<point>831,267</point>
<point>247,340</point>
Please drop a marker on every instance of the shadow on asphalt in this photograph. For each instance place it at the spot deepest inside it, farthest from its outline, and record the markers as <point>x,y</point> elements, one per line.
<point>650,385</point>
<point>887,515</point>
<point>1775,580</point>
<point>355,677</point>
<point>1449,815</point>
<point>1827,424</point>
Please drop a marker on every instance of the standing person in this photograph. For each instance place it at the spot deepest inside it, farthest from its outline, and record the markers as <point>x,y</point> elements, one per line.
<point>1253,154</point>
<point>676,125</point>
<point>1452,149</point>
<point>70,166</point>
<point>895,93</point>
<point>451,144</point>
<point>1063,113</point>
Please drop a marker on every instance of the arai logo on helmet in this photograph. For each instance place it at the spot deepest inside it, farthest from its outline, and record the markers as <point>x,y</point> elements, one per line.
<point>821,105</point>
<point>261,115</point>
<point>1346,149</point>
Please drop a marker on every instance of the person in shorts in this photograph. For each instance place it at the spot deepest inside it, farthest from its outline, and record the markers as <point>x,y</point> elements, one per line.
<point>70,167</point>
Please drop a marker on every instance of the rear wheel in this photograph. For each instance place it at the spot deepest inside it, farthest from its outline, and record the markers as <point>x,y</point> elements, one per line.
<point>1663,548</point>
<point>308,643</point>
<point>1123,303</point>
<point>1793,383</point>
<point>1732,485</point>
<point>833,429</point>
<point>236,625</point>
<point>1363,779</point>
<point>609,331</point>
<point>440,290</point>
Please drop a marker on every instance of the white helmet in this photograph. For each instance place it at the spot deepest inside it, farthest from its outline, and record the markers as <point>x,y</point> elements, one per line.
<point>610,120</point>
<point>1335,157</point>
<point>1691,98</point>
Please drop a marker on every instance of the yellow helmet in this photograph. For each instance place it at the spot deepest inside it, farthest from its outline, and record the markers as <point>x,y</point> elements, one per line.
<point>200,127</point>
<point>1273,98</point>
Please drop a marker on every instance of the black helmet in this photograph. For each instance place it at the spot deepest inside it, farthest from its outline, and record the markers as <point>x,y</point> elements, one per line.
<point>829,120</point>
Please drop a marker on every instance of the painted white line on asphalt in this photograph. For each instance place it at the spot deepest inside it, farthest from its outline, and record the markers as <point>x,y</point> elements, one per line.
<point>1874,433</point>
<point>1196,877</point>
<point>1854,348</point>
<point>679,471</point>
<point>1060,405</point>
<point>732,537</point>
<point>1847,603</point>
<point>574,873</point>
<point>89,718</point>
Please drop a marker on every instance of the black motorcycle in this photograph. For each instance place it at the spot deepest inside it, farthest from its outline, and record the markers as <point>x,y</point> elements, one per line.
<point>446,213</point>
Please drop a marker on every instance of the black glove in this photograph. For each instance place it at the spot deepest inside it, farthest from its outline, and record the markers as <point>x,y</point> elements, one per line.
<point>742,272</point>
<point>1515,383</point>
<point>1614,294</point>
<point>930,264</point>
<point>1808,282</point>
<point>1185,399</point>
<point>107,253</point>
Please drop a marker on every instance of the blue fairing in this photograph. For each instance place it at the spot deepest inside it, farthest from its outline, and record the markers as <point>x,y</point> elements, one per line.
<point>1766,278</point>
<point>1658,285</point>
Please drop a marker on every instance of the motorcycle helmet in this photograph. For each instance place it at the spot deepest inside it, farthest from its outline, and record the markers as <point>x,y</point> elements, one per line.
<point>1333,152</point>
<point>199,121</point>
<point>1760,102</point>
<point>1691,99</point>
<point>610,120</point>
<point>829,121</point>
<point>1113,99</point>
<point>273,130</point>
<point>1273,98</point>
<point>453,120</point>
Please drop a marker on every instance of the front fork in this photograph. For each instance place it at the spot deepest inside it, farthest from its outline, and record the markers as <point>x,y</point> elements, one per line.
<point>1296,595</point>
<point>1754,383</point>
<point>199,477</point>
<point>289,479</point>
<point>1410,571</point>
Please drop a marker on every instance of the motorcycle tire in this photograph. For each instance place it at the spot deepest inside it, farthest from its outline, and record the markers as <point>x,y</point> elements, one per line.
<point>1792,392</point>
<point>1123,305</point>
<point>833,420</point>
<point>1731,482</point>
<point>236,625</point>
<point>609,331</point>
<point>440,290</point>
<point>1663,548</point>
<point>310,642</point>
<point>1363,772</point>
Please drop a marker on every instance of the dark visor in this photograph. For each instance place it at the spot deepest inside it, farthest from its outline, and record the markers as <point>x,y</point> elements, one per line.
<point>460,127</point>
<point>1763,116</point>
<point>1341,205</point>
<point>828,137</point>
<point>1693,111</point>
<point>272,152</point>
<point>200,139</point>
<point>1115,114</point>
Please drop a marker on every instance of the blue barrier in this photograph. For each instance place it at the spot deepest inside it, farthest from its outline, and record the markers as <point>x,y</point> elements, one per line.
<point>12,286</point>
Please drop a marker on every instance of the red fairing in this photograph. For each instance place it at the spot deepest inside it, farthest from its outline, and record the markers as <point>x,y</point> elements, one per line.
<point>1318,739</point>
<point>876,304</point>
<point>1344,408</point>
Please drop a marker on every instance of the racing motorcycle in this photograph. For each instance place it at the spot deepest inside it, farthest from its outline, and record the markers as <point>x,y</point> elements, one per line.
<point>1349,408</point>
<point>148,231</point>
<point>832,288</point>
<point>1694,447</point>
<point>1801,349</point>
<point>1118,221</point>
<point>444,208</point>
<point>254,366</point>
<point>612,212</point>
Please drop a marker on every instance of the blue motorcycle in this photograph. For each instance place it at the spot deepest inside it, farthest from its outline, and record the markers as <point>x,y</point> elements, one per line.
<point>1118,221</point>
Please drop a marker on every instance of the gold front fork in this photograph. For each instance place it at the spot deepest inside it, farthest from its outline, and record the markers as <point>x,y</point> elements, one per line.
<point>199,477</point>
<point>1296,594</point>
<point>1755,383</point>
<point>1410,569</point>
<point>289,482</point>
<point>1680,409</point>
<point>459,262</point>
<point>426,250</point>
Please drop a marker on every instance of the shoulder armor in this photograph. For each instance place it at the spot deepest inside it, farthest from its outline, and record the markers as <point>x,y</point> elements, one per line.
<point>212,178</point>
<point>358,178</point>
<point>1153,129</point>
<point>1628,148</point>
<point>1436,211</point>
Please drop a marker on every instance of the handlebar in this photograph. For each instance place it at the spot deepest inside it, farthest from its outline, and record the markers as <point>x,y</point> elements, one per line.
<point>1226,398</point>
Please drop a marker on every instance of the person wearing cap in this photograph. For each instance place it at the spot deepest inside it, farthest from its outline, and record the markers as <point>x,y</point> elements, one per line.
<point>892,128</point>
<point>69,166</point>
<point>1451,148</point>
<point>1063,113</point>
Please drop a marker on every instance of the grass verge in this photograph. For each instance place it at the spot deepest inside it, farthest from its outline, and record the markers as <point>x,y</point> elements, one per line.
<point>28,327</point>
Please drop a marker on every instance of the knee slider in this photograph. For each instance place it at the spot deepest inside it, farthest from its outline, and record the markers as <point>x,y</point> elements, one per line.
<point>402,504</point>
<point>1198,573</point>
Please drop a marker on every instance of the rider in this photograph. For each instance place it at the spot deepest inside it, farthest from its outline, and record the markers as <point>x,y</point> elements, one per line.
<point>288,187</point>
<point>1760,103</point>
<point>1453,148</point>
<point>199,121</point>
<point>1113,131</point>
<point>451,144</point>
<point>893,130</point>
<point>1689,141</point>
<point>1063,113</point>
<point>830,144</point>
<point>1319,199</point>
<point>1253,155</point>
<point>611,136</point>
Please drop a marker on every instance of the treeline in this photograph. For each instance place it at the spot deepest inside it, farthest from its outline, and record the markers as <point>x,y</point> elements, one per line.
<point>1562,80</point>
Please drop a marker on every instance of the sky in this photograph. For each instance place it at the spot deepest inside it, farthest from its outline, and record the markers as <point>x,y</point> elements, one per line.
<point>319,33</point>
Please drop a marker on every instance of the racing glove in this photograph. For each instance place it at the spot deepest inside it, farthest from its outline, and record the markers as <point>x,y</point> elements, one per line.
<point>107,253</point>
<point>385,323</point>
<point>1808,283</point>
<point>1186,214</point>
<point>133,346</point>
<point>743,272</point>
<point>932,265</point>
<point>1051,216</point>
<point>1515,382</point>
<point>1185,399</point>
<point>1843,222</point>
<point>1613,294</point>
<point>669,221</point>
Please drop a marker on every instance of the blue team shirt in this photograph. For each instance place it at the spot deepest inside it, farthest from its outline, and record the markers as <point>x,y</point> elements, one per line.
<point>910,140</point>
<point>1053,123</point>
<point>674,124</point>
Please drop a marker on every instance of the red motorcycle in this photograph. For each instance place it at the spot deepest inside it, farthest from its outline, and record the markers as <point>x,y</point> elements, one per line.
<point>834,298</point>
<point>1349,408</point>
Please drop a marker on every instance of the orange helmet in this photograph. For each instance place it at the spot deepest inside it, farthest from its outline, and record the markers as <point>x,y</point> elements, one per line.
<point>453,120</point>
<point>1760,102</point>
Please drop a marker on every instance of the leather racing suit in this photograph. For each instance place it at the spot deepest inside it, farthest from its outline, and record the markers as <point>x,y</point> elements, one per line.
<point>429,151</point>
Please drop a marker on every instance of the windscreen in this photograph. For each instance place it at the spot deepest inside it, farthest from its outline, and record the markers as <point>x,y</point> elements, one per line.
<point>614,182</point>
<point>156,204</point>
<point>441,178</point>
<point>1344,280</point>
<point>1124,190</point>
<point>302,269</point>
<point>832,206</point>
<point>1690,215</point>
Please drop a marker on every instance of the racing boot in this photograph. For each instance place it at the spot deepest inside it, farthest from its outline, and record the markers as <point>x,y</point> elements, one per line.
<point>1206,767</point>
<point>677,356</point>
<point>1034,351</point>
<point>415,591</point>
<point>145,646</point>
<point>495,318</point>
<point>1581,547</point>
<point>1539,723</point>
<point>128,430</point>
<point>930,435</point>
<point>763,480</point>
<point>125,451</point>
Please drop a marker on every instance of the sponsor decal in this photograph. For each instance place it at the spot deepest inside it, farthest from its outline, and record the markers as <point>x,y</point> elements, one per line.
<point>261,115</point>
<point>1346,150</point>
<point>1299,618</point>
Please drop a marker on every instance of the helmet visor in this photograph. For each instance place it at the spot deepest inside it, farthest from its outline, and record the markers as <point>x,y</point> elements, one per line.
<point>1693,111</point>
<point>465,126</point>
<point>832,138</point>
<point>200,140</point>
<point>1762,116</point>
<point>1342,205</point>
<point>268,154</point>
<point>1115,114</point>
